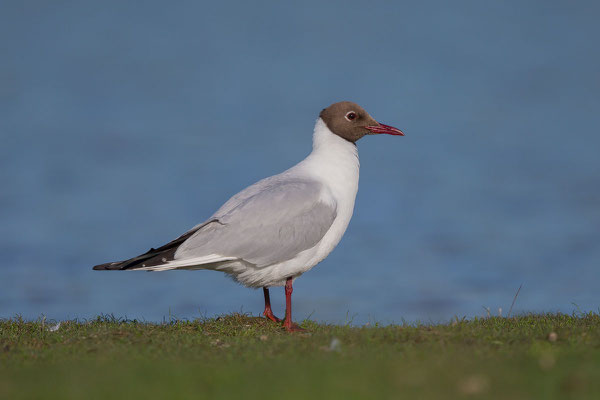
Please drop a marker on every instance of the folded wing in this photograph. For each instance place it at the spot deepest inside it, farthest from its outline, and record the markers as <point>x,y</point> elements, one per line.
<point>272,226</point>
<point>268,224</point>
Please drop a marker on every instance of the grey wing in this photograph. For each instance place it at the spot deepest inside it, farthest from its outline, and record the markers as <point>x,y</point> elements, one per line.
<point>271,226</point>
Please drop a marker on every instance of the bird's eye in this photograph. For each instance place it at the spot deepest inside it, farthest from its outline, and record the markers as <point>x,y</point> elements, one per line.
<point>351,116</point>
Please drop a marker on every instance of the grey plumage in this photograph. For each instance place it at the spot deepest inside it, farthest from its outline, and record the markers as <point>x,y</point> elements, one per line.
<point>267,223</point>
<point>270,222</point>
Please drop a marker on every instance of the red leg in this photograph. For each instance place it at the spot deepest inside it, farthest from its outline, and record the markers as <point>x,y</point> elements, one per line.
<point>268,312</point>
<point>287,323</point>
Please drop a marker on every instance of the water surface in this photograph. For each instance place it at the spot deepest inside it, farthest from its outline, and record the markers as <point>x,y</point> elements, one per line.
<point>124,125</point>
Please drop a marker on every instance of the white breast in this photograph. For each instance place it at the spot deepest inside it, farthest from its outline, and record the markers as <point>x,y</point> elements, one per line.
<point>334,162</point>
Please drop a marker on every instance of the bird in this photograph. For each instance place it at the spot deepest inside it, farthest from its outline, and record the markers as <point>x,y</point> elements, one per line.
<point>280,227</point>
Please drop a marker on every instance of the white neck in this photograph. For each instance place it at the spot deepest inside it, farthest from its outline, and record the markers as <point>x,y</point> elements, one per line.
<point>333,161</point>
<point>331,150</point>
<point>327,141</point>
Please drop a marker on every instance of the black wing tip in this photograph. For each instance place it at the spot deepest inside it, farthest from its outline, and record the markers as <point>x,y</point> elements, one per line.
<point>107,267</point>
<point>151,257</point>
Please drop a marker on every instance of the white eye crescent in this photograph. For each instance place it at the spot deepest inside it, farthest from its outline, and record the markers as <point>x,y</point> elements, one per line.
<point>351,115</point>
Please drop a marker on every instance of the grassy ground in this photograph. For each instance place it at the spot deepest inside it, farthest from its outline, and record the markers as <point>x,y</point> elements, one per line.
<point>237,356</point>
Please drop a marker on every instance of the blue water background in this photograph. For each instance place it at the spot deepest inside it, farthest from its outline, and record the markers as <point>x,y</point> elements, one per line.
<point>123,124</point>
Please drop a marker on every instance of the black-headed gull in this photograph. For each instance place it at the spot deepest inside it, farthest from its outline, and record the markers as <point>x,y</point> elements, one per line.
<point>275,230</point>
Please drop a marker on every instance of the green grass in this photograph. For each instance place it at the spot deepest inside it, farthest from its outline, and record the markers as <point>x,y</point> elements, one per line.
<point>238,356</point>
